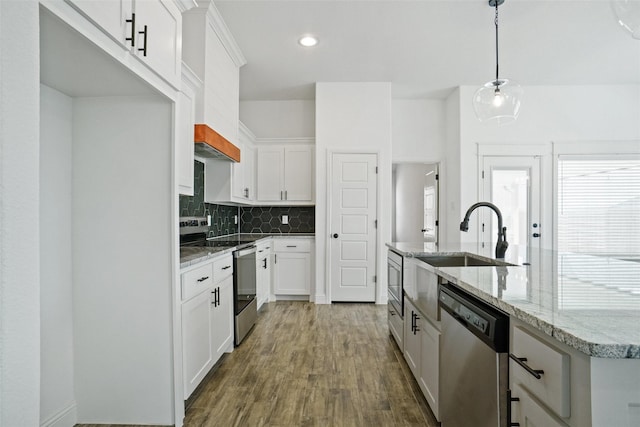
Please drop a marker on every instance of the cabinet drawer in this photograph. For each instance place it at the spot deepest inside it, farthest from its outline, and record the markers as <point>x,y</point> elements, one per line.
<point>196,281</point>
<point>264,247</point>
<point>222,267</point>
<point>292,245</point>
<point>554,386</point>
<point>528,412</point>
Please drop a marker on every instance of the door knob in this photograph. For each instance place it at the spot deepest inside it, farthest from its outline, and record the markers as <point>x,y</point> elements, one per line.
<point>536,234</point>
<point>335,235</point>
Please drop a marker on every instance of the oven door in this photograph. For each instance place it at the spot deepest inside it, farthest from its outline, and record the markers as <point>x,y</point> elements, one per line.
<point>394,277</point>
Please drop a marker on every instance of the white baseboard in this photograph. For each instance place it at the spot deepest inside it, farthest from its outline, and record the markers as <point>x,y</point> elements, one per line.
<point>321,299</point>
<point>66,417</point>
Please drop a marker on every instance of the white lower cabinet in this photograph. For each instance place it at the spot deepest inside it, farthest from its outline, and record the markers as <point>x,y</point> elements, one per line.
<point>396,325</point>
<point>292,266</point>
<point>222,319</point>
<point>263,272</point>
<point>422,353</point>
<point>207,318</point>
<point>197,333</point>
<point>528,412</point>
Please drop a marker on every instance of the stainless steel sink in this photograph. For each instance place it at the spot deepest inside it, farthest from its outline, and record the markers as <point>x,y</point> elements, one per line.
<point>461,260</point>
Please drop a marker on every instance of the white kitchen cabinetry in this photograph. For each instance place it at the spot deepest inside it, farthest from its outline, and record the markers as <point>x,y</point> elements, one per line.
<point>151,30</point>
<point>185,119</point>
<point>574,389</point>
<point>229,182</point>
<point>396,325</point>
<point>263,271</point>
<point>528,412</point>
<point>207,318</point>
<point>212,53</point>
<point>284,174</point>
<point>292,267</point>
<point>422,353</point>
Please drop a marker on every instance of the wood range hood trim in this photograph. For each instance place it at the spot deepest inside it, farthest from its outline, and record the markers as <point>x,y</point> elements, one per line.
<point>209,143</point>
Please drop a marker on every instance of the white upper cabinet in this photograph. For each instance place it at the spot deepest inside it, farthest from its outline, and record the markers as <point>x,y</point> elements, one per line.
<point>150,29</point>
<point>285,174</point>
<point>227,182</point>
<point>185,119</point>
<point>212,53</point>
<point>159,35</point>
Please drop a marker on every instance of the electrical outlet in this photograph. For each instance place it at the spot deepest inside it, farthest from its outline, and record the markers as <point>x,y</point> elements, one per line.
<point>285,219</point>
<point>209,220</point>
<point>235,219</point>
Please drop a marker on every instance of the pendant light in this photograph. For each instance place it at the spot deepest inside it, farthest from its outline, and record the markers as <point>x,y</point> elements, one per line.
<point>628,15</point>
<point>499,99</point>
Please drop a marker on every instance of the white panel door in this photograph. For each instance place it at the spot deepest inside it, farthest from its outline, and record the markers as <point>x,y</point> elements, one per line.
<point>353,227</point>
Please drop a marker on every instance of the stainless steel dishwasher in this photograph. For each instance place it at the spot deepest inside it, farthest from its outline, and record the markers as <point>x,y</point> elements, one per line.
<point>473,361</point>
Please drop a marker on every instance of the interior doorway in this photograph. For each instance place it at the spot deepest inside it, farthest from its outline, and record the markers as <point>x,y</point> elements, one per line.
<point>415,202</point>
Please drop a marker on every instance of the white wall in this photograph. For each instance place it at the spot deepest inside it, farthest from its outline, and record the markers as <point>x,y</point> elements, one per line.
<point>19,215</point>
<point>279,119</point>
<point>353,116</point>
<point>57,399</point>
<point>549,114</point>
<point>450,181</point>
<point>418,130</point>
<point>122,253</point>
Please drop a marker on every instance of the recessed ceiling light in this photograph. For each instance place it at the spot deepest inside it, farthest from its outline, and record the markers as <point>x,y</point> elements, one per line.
<point>308,41</point>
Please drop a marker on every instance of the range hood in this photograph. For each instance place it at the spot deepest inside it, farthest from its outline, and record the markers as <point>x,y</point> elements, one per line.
<point>209,143</point>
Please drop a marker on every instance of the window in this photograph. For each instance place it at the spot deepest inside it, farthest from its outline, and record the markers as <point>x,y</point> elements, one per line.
<point>599,205</point>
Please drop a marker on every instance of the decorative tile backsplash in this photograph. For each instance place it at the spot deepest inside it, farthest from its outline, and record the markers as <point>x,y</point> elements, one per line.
<point>252,219</point>
<point>268,219</point>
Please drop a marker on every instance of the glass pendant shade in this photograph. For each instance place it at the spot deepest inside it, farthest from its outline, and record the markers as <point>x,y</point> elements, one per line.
<point>498,100</point>
<point>628,15</point>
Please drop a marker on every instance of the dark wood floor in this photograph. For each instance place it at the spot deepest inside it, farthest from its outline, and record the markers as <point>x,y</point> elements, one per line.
<point>312,365</point>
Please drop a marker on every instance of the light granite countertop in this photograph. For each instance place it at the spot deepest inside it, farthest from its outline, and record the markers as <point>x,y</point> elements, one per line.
<point>191,255</point>
<point>590,303</point>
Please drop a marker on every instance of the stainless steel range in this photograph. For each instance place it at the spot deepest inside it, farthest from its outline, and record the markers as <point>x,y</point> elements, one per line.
<point>193,234</point>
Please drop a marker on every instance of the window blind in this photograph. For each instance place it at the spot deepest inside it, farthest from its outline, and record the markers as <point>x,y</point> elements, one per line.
<point>599,205</point>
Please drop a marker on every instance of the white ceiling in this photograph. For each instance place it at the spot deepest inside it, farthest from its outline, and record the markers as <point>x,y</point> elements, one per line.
<point>426,47</point>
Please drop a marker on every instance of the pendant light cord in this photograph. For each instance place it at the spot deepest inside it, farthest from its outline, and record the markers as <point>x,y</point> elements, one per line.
<point>496,22</point>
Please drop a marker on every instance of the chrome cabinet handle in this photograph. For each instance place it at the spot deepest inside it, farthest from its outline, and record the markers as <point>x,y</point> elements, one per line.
<point>202,279</point>
<point>144,43</point>
<point>285,195</point>
<point>521,361</point>
<point>132,21</point>
<point>281,193</point>
<point>292,246</point>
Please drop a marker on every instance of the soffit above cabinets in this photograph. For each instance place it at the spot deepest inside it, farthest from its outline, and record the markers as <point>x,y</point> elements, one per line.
<point>209,143</point>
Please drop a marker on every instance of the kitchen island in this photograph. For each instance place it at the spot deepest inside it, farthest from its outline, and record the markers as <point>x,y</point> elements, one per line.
<point>577,315</point>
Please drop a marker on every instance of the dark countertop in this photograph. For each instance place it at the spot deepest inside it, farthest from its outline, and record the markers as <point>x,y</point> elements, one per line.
<point>194,254</point>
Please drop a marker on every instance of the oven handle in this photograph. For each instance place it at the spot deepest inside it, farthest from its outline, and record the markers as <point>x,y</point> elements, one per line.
<point>245,251</point>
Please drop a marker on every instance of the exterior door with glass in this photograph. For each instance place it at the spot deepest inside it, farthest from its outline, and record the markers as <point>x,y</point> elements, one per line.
<point>513,184</point>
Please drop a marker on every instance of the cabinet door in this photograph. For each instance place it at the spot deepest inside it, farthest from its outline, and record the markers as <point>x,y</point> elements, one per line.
<point>297,173</point>
<point>411,338</point>
<point>529,413</point>
<point>292,273</point>
<point>429,379</point>
<point>249,157</point>
<point>197,333</point>
<point>185,119</point>
<point>111,16</point>
<point>222,319</point>
<point>237,175</point>
<point>163,49</point>
<point>269,174</point>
